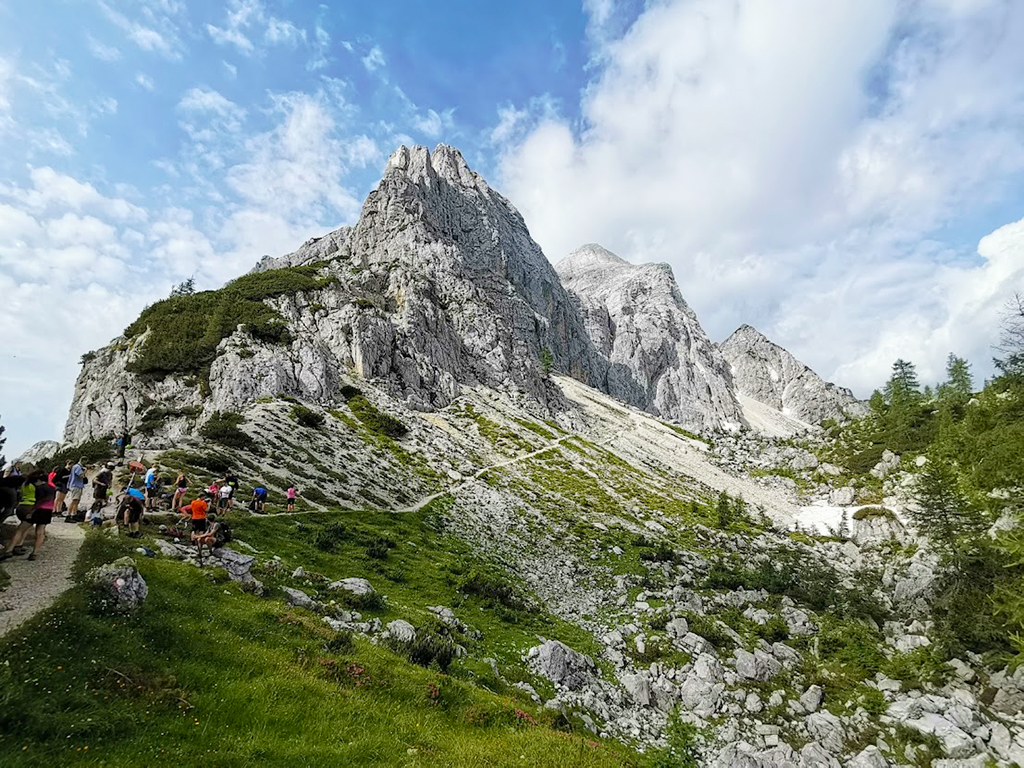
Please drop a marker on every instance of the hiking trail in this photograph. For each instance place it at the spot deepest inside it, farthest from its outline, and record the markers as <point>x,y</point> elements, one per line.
<point>36,585</point>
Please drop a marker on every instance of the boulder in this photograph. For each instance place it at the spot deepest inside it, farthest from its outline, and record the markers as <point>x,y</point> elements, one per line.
<point>638,687</point>
<point>869,757</point>
<point>843,497</point>
<point>798,622</point>
<point>359,587</point>
<point>237,565</point>
<point>562,665</point>
<point>117,587</point>
<point>399,631</point>
<point>298,598</point>
<point>810,700</point>
<point>827,730</point>
<point>758,666</point>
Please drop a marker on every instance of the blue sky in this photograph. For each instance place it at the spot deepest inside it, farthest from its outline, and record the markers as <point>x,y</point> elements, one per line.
<point>846,176</point>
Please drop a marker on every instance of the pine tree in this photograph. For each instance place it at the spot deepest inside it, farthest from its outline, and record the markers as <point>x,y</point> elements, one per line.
<point>943,513</point>
<point>547,361</point>
<point>184,288</point>
<point>1011,339</point>
<point>903,390</point>
<point>724,511</point>
<point>3,461</point>
<point>959,385</point>
<point>844,527</point>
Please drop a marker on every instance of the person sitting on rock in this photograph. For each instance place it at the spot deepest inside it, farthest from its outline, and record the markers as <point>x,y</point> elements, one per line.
<point>40,515</point>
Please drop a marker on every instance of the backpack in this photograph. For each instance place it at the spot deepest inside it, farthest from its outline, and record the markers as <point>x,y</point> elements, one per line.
<point>222,535</point>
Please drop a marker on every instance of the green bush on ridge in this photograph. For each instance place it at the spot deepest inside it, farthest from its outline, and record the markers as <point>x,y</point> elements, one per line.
<point>184,330</point>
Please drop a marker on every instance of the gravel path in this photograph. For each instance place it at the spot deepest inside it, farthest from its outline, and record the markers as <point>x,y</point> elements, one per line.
<point>34,586</point>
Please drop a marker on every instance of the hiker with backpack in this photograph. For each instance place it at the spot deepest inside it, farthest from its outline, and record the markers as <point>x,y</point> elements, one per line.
<point>130,510</point>
<point>100,489</point>
<point>152,485</point>
<point>292,493</point>
<point>40,514</point>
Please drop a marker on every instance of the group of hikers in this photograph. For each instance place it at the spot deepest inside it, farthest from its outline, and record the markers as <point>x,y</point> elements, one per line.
<point>36,496</point>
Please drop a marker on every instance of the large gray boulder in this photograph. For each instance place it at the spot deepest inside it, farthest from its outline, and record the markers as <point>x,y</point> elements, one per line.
<point>117,587</point>
<point>562,665</point>
<point>769,374</point>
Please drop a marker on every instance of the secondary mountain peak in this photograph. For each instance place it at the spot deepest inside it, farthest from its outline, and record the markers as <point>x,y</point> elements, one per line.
<point>658,351</point>
<point>770,374</point>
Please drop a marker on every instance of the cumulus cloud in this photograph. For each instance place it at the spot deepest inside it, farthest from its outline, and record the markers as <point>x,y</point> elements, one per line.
<point>793,163</point>
<point>145,81</point>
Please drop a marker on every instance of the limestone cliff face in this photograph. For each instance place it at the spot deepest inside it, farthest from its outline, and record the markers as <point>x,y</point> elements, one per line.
<point>658,353</point>
<point>769,374</point>
<point>438,284</point>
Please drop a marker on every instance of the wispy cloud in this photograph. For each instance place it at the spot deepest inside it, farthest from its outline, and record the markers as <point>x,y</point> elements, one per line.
<point>321,45</point>
<point>102,51</point>
<point>145,81</point>
<point>374,60</point>
<point>146,38</point>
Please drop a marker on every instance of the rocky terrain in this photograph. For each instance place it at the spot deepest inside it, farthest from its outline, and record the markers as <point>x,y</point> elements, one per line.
<point>579,432</point>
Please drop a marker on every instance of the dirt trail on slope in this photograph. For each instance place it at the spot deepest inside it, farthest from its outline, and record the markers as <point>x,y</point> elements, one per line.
<point>36,585</point>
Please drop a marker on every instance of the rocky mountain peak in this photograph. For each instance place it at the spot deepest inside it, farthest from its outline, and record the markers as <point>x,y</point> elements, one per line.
<point>770,374</point>
<point>658,351</point>
<point>587,258</point>
<point>422,165</point>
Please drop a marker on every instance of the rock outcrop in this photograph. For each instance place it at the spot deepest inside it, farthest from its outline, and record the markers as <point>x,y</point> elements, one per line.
<point>658,353</point>
<point>769,374</point>
<point>438,285</point>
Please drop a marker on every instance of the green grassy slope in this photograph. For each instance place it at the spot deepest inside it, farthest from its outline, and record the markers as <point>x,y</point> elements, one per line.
<point>206,674</point>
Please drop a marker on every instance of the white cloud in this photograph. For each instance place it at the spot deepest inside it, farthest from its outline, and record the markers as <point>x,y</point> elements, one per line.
<point>145,81</point>
<point>280,32</point>
<point>102,51</point>
<point>790,163</point>
<point>230,69</point>
<point>374,60</point>
<point>50,140</point>
<point>432,124</point>
<point>320,46</point>
<point>164,42</point>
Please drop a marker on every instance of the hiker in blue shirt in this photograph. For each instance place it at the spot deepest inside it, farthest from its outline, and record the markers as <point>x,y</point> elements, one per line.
<point>152,485</point>
<point>76,484</point>
<point>259,500</point>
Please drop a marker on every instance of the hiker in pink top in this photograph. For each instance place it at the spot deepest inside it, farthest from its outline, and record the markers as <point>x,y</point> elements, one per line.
<point>292,493</point>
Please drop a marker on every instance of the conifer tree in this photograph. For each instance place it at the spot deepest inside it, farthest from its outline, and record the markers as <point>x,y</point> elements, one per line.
<point>3,461</point>
<point>943,513</point>
<point>724,511</point>
<point>844,527</point>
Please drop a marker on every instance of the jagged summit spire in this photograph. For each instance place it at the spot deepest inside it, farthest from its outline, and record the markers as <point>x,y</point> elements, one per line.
<point>420,164</point>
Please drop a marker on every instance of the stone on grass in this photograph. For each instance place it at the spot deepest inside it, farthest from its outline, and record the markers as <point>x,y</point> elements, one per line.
<point>399,631</point>
<point>298,598</point>
<point>117,587</point>
<point>357,586</point>
<point>561,664</point>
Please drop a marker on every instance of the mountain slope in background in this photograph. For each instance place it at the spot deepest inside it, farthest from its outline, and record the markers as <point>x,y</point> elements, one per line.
<point>640,323</point>
<point>769,374</point>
